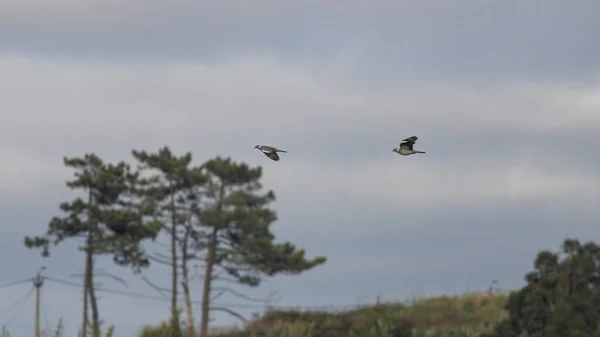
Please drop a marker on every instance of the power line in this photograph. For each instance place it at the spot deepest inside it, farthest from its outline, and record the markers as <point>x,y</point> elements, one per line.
<point>144,296</point>
<point>10,307</point>
<point>326,308</point>
<point>20,305</point>
<point>224,305</point>
<point>110,291</point>
<point>15,283</point>
<point>165,299</point>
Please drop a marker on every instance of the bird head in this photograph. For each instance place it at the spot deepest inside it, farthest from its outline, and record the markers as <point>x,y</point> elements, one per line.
<point>257,147</point>
<point>395,149</point>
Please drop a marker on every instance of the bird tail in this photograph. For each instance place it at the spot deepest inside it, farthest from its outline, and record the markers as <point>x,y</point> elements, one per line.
<point>281,151</point>
<point>419,151</point>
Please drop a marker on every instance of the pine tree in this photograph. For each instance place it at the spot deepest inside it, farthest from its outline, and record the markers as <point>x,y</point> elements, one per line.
<point>174,188</point>
<point>108,218</point>
<point>237,240</point>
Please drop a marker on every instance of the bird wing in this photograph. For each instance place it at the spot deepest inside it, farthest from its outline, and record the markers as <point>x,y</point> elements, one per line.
<point>273,155</point>
<point>411,140</point>
<point>408,143</point>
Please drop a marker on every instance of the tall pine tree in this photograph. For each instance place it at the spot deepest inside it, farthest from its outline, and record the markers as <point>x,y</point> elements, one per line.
<point>108,218</point>
<point>238,243</point>
<point>174,188</point>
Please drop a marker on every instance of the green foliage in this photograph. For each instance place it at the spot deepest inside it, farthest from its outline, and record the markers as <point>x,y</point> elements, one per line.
<point>90,331</point>
<point>235,220</point>
<point>171,189</point>
<point>561,298</point>
<point>4,332</point>
<point>109,217</point>
<point>174,329</point>
<point>171,182</point>
<point>562,295</point>
<point>162,330</point>
<point>58,332</point>
<point>238,219</point>
<point>219,212</point>
<point>216,212</point>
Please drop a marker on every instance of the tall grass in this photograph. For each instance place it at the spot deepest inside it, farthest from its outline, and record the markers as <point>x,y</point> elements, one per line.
<point>465,316</point>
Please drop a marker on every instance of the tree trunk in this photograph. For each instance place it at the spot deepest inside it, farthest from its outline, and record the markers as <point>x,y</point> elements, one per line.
<point>86,270</point>
<point>93,300</point>
<point>185,282</point>
<point>191,330</point>
<point>210,260</point>
<point>89,271</point>
<point>85,296</point>
<point>174,312</point>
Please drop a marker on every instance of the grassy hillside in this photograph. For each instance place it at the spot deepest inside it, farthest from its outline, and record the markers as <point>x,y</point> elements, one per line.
<point>461,316</point>
<point>464,316</point>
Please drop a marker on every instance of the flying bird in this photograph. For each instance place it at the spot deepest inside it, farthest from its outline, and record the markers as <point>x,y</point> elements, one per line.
<point>406,147</point>
<point>269,151</point>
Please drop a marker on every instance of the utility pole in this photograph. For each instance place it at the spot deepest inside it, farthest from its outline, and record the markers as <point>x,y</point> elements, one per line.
<point>38,281</point>
<point>491,288</point>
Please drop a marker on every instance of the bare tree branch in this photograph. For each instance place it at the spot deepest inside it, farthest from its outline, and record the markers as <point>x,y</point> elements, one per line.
<point>231,312</point>
<point>113,276</point>
<point>100,272</point>
<point>226,279</point>
<point>159,289</point>
<point>160,260</point>
<point>269,299</point>
<point>162,256</point>
<point>218,277</point>
<point>217,295</point>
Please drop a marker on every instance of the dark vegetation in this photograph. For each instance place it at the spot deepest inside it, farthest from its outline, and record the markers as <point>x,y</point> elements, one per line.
<point>217,215</point>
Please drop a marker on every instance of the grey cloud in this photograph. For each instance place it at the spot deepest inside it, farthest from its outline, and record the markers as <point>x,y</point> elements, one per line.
<point>558,150</point>
<point>508,142</point>
<point>470,41</point>
<point>239,96</point>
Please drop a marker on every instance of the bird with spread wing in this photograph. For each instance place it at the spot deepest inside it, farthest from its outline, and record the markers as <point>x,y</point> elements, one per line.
<point>406,147</point>
<point>270,151</point>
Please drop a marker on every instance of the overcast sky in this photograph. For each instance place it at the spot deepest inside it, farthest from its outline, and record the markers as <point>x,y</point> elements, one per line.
<point>503,95</point>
